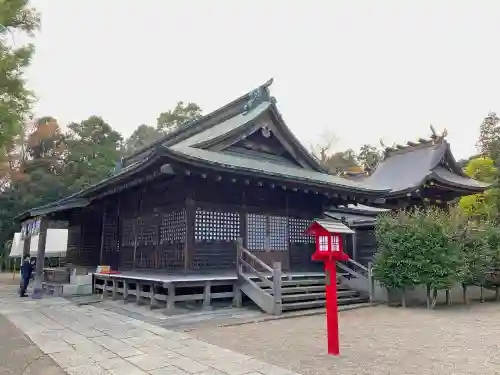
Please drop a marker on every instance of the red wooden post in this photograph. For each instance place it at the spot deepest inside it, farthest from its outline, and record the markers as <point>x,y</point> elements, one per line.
<point>329,251</point>
<point>332,318</point>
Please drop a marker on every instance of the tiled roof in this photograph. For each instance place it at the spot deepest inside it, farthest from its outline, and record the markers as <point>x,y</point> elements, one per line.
<point>406,168</point>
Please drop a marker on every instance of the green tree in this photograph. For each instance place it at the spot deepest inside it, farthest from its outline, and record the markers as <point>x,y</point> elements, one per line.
<point>16,17</point>
<point>35,177</point>
<point>143,136</point>
<point>414,248</point>
<point>94,148</point>
<point>482,205</point>
<point>397,260</point>
<point>369,156</point>
<point>182,113</point>
<point>489,137</point>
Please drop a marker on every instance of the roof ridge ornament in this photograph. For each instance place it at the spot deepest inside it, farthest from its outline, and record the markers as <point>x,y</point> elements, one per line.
<point>257,96</point>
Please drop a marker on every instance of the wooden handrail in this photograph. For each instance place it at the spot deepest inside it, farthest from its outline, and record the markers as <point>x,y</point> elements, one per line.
<point>261,276</point>
<point>351,271</point>
<point>255,259</point>
<point>270,303</point>
<point>357,264</point>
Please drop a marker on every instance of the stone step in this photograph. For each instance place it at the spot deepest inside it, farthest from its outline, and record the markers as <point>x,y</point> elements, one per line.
<point>321,303</point>
<point>316,296</point>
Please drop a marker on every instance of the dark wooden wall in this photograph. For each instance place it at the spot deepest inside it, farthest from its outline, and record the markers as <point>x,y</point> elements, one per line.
<point>366,244</point>
<point>84,231</point>
<point>192,223</point>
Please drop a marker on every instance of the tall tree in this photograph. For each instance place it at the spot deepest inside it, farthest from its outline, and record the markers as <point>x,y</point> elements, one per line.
<point>483,205</point>
<point>16,17</point>
<point>93,151</point>
<point>45,146</point>
<point>141,137</point>
<point>369,156</point>
<point>182,113</point>
<point>342,161</point>
<point>489,137</point>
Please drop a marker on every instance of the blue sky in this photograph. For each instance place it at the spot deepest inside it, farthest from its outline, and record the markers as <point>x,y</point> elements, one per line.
<point>362,70</point>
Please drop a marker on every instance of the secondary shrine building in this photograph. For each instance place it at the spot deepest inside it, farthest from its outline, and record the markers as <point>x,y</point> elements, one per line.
<point>181,203</point>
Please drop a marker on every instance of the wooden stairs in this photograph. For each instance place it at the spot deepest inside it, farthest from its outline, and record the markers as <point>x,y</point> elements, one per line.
<point>276,293</point>
<point>308,292</point>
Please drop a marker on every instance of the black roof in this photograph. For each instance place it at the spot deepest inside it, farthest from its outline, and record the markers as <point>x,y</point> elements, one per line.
<point>196,143</point>
<point>356,215</point>
<point>407,168</point>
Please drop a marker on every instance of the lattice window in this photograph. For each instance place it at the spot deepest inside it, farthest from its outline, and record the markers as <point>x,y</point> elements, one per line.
<point>173,227</point>
<point>257,235</point>
<point>128,233</point>
<point>323,243</point>
<point>297,229</point>
<point>147,230</point>
<point>267,232</point>
<point>335,243</point>
<point>278,233</point>
<point>216,226</point>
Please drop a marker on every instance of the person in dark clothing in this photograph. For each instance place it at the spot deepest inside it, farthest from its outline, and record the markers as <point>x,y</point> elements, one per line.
<point>26,272</point>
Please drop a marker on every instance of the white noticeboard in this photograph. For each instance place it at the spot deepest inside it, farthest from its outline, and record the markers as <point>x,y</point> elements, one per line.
<point>56,243</point>
<point>16,249</point>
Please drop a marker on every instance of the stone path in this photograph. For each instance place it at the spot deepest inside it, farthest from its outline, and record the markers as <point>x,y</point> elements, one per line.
<point>18,355</point>
<point>89,340</point>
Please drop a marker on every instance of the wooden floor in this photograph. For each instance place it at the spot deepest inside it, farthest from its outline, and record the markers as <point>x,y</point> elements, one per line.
<point>170,277</point>
<point>165,289</point>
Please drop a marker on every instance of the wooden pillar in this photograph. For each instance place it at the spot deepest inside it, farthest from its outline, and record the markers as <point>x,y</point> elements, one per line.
<point>40,258</point>
<point>103,228</point>
<point>189,245</point>
<point>354,246</point>
<point>136,230</point>
<point>288,243</point>
<point>26,248</point>
<point>243,219</point>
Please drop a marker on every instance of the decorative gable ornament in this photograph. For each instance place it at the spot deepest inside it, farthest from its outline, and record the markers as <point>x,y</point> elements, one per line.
<point>266,132</point>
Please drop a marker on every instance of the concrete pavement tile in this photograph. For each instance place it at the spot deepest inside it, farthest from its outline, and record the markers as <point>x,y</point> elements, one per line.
<point>148,362</point>
<point>73,338</point>
<point>111,363</point>
<point>144,341</point>
<point>169,370</point>
<point>127,369</point>
<point>90,369</point>
<point>230,368</point>
<point>266,368</point>
<point>94,351</point>
<point>130,333</point>
<point>187,364</point>
<point>158,350</point>
<point>71,358</point>
<point>212,371</point>
<point>118,347</point>
<point>52,346</point>
<point>172,344</point>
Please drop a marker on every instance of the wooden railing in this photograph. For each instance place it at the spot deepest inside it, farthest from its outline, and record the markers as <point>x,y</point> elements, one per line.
<point>270,278</point>
<point>363,276</point>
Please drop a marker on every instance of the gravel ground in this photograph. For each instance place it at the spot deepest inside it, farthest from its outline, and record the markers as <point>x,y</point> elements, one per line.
<point>377,340</point>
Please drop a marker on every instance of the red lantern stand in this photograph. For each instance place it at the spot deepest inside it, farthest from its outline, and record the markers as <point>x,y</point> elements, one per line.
<point>329,250</point>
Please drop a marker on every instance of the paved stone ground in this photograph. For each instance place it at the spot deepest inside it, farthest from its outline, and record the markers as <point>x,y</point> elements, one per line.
<point>19,356</point>
<point>93,341</point>
<point>377,341</point>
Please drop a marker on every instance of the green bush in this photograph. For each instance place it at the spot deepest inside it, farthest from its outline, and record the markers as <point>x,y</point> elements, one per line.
<point>437,249</point>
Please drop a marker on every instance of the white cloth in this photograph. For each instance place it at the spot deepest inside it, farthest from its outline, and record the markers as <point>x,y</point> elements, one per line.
<point>16,249</point>
<point>56,243</point>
